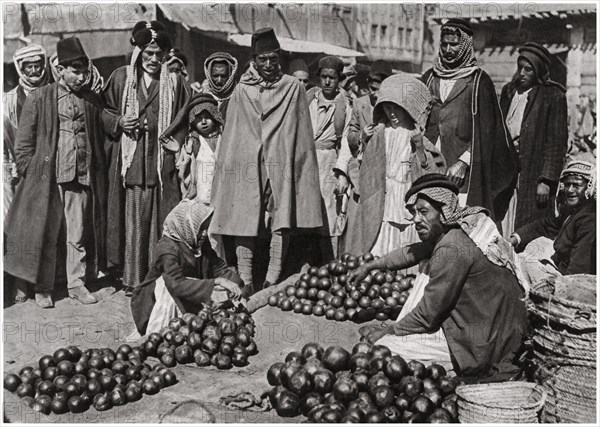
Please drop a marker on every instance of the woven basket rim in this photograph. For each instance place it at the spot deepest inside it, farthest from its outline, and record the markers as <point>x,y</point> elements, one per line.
<point>552,298</point>
<point>468,392</point>
<point>577,324</point>
<point>561,361</point>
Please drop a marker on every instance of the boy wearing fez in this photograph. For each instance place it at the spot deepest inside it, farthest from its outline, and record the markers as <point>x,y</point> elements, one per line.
<point>60,206</point>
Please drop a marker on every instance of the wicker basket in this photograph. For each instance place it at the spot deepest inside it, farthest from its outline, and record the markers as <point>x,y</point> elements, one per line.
<point>549,302</point>
<point>561,343</point>
<point>576,394</point>
<point>564,339</point>
<point>571,388</point>
<point>509,402</point>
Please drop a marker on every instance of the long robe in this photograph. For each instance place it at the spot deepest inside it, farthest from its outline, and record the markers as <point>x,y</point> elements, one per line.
<point>470,119</point>
<point>268,136</point>
<point>13,106</point>
<point>542,147</point>
<point>171,194</point>
<point>333,154</point>
<point>34,219</point>
<point>370,216</point>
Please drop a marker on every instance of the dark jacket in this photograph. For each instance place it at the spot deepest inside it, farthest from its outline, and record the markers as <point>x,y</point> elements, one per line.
<point>542,147</point>
<point>35,216</point>
<point>470,119</point>
<point>189,280</point>
<point>477,304</point>
<point>574,239</point>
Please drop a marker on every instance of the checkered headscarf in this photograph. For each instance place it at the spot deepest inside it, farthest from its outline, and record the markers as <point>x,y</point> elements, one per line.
<point>584,169</point>
<point>465,62</point>
<point>183,223</point>
<point>480,228</point>
<point>452,212</point>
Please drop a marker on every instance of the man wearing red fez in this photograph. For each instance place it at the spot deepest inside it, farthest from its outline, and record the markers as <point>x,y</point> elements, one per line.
<point>467,125</point>
<point>535,109</point>
<point>141,99</point>
<point>267,175</point>
<point>58,213</point>
<point>330,114</point>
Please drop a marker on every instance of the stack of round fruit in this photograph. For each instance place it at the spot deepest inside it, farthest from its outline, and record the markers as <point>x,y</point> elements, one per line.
<point>222,339</point>
<point>72,381</point>
<point>326,292</point>
<point>369,385</point>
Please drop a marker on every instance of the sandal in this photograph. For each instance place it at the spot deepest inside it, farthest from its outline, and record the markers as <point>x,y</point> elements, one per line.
<point>20,292</point>
<point>20,297</point>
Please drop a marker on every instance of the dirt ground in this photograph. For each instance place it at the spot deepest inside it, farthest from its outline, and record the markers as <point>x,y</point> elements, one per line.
<point>31,332</point>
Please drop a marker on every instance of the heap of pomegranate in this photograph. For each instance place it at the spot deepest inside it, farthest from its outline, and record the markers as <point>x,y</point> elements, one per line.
<point>368,385</point>
<point>72,381</point>
<point>222,338</point>
<point>325,291</point>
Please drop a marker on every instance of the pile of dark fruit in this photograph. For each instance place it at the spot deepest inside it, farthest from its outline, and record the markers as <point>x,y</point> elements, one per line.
<point>71,380</point>
<point>221,338</point>
<point>369,385</point>
<point>326,292</point>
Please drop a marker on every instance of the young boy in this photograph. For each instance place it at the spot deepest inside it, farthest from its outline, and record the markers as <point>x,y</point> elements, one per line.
<point>202,145</point>
<point>196,164</point>
<point>59,153</point>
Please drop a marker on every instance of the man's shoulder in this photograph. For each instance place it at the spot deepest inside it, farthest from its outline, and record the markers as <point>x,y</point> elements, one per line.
<point>455,244</point>
<point>587,213</point>
<point>427,75</point>
<point>119,74</point>
<point>552,91</point>
<point>312,92</point>
<point>364,100</point>
<point>289,80</point>
<point>12,92</point>
<point>42,91</point>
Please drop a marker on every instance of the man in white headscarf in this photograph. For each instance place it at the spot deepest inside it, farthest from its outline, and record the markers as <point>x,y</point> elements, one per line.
<point>30,62</point>
<point>220,69</point>
<point>563,243</point>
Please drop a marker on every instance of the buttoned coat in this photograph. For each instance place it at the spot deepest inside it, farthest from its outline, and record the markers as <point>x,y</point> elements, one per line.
<point>35,216</point>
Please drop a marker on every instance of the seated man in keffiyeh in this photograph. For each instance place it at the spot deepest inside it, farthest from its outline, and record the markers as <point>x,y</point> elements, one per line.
<point>563,243</point>
<point>465,310</point>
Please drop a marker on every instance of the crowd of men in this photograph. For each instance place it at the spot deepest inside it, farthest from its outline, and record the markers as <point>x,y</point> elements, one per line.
<point>94,169</point>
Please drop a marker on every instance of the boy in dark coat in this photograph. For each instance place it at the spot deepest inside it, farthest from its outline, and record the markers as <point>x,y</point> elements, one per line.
<point>60,157</point>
